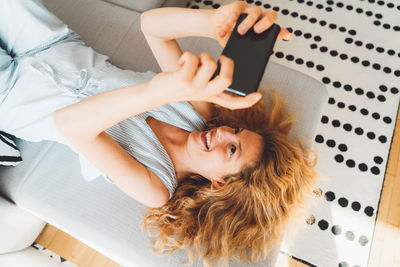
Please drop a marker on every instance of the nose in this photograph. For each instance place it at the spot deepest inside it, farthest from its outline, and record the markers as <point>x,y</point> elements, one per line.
<point>225,134</point>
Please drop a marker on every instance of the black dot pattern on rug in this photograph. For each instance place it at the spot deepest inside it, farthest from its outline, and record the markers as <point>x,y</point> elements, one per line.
<point>322,23</point>
<point>369,211</point>
<point>383,88</point>
<point>359,91</point>
<point>299,61</point>
<point>382,139</point>
<point>350,163</point>
<point>347,127</point>
<point>363,167</point>
<point>319,138</point>
<point>387,120</point>
<point>331,143</point>
<point>375,170</point>
<point>342,147</point>
<point>279,55</point>
<point>339,158</point>
<point>371,135</point>
<point>356,206</point>
<point>336,230</point>
<point>350,235</point>
<point>323,225</point>
<point>378,160</point>
<point>330,196</point>
<point>336,123</point>
<point>359,131</point>
<point>355,60</point>
<point>343,202</point>
<point>363,240</point>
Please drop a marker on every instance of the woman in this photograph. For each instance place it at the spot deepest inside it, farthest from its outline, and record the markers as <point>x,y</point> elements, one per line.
<point>129,133</point>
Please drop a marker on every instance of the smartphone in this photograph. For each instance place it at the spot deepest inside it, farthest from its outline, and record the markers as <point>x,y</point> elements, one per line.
<point>250,53</point>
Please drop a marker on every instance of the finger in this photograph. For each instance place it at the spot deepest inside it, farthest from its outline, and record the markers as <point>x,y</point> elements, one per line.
<point>224,78</point>
<point>284,34</point>
<point>189,64</point>
<point>236,102</point>
<point>228,27</point>
<point>254,12</point>
<point>234,11</point>
<point>207,69</point>
<point>267,20</point>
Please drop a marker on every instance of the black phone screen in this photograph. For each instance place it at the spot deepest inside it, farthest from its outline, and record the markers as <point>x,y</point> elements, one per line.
<point>250,54</point>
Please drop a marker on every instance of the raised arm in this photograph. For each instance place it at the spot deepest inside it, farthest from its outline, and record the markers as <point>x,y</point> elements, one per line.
<point>161,27</point>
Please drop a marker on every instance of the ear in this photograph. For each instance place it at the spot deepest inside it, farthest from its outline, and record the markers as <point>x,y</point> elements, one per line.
<point>218,183</point>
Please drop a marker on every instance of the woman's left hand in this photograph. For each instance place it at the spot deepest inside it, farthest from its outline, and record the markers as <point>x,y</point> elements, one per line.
<point>223,21</point>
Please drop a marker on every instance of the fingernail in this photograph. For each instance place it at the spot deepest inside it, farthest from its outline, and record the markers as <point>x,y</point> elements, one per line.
<point>242,29</point>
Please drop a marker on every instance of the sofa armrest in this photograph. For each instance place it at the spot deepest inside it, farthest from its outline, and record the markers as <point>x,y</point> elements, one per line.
<point>18,228</point>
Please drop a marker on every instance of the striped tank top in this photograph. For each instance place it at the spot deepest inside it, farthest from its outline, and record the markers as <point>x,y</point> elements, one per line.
<point>138,139</point>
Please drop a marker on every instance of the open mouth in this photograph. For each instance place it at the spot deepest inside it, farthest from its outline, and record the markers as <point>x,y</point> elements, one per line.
<point>206,138</point>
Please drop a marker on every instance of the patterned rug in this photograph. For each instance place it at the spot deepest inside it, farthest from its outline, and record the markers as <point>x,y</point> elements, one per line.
<point>352,47</point>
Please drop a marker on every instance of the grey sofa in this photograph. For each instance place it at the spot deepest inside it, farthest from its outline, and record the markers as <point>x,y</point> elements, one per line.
<point>48,183</point>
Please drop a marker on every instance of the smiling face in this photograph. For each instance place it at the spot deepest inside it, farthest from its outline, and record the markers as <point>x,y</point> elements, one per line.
<point>223,151</point>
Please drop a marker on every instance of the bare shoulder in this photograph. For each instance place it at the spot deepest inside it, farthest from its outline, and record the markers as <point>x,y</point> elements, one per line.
<point>203,108</point>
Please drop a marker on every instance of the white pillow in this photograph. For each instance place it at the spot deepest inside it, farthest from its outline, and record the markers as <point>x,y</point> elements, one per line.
<point>9,153</point>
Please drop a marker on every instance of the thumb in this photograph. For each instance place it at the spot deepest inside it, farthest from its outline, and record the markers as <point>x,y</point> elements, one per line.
<point>237,102</point>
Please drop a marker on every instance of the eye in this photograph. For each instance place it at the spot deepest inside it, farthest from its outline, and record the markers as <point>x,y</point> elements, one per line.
<point>233,150</point>
<point>237,130</point>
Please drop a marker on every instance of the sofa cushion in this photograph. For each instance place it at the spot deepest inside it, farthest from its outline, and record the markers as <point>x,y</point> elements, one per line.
<point>137,5</point>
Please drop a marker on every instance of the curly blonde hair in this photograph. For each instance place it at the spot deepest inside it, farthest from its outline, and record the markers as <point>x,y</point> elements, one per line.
<point>246,218</point>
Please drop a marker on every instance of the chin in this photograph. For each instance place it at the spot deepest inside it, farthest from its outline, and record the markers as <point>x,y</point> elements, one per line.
<point>194,140</point>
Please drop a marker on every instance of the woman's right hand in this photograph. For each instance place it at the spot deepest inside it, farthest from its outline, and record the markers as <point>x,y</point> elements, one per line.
<point>192,82</point>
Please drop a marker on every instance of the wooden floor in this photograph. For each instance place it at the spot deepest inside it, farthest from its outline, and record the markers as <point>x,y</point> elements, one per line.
<point>385,251</point>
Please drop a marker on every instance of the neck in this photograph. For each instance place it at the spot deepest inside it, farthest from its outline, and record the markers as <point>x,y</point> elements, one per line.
<point>175,144</point>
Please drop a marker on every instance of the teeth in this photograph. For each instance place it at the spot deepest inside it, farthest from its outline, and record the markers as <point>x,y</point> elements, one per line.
<point>208,140</point>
